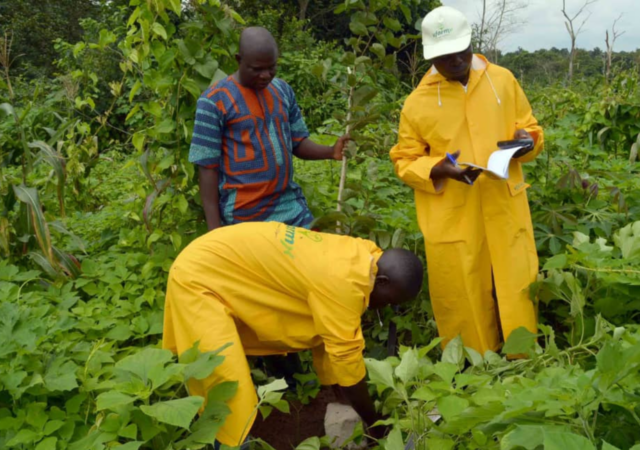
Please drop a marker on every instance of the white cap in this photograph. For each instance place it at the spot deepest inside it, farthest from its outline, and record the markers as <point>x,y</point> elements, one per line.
<point>445,30</point>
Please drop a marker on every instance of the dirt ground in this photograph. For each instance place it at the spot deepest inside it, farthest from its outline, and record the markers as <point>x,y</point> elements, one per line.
<point>286,431</point>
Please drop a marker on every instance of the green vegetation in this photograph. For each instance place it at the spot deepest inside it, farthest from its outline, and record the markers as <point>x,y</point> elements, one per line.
<point>98,198</point>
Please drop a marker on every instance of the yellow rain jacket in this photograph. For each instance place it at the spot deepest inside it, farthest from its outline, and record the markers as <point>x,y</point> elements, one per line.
<point>269,288</point>
<point>472,231</point>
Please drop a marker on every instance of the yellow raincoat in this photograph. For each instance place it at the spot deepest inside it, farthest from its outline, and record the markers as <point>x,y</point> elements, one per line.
<point>472,231</point>
<point>269,288</point>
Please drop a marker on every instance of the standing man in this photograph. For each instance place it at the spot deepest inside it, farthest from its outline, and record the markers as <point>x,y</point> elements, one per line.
<point>247,128</point>
<point>269,288</point>
<point>477,230</point>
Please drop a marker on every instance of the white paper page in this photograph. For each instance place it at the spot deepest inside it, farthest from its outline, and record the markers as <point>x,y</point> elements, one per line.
<point>499,162</point>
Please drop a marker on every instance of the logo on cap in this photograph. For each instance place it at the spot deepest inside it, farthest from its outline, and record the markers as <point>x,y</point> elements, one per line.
<point>442,31</point>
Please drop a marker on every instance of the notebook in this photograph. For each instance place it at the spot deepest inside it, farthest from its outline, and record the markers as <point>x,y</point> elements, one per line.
<point>498,165</point>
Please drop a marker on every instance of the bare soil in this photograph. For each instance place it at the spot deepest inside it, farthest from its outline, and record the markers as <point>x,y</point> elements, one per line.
<point>286,431</point>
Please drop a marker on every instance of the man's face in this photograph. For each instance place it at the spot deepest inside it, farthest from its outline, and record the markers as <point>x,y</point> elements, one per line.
<point>257,70</point>
<point>455,66</point>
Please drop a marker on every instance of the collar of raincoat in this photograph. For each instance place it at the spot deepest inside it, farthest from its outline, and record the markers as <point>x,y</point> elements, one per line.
<point>478,65</point>
<point>372,277</point>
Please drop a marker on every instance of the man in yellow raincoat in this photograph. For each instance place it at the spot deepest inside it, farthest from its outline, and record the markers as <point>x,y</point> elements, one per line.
<point>271,288</point>
<point>478,231</point>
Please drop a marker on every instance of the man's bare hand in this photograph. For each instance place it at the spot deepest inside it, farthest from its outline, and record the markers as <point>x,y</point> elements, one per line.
<point>446,169</point>
<point>338,147</point>
<point>522,134</point>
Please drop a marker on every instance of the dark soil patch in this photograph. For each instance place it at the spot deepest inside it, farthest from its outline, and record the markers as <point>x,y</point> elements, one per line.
<point>286,431</point>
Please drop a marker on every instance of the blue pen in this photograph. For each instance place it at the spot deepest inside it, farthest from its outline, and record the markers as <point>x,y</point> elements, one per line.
<point>454,161</point>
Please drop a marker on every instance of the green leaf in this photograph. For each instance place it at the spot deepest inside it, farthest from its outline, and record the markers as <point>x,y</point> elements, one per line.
<point>61,376</point>
<point>394,440</point>
<point>392,24</point>
<point>36,415</point>
<point>222,392</point>
<point>135,445</point>
<point>312,443</point>
<point>52,426</point>
<point>179,412</point>
<point>134,90</point>
<point>130,431</point>
<point>473,356</point>
<point>7,109</point>
<point>520,341</point>
<point>112,400</point>
<point>529,437</point>
<point>29,196</point>
<point>206,69</point>
<point>47,444</point>
<point>106,37</point>
<point>358,28</point>
<point>628,240</point>
<point>277,385</point>
<point>159,30</point>
<point>454,351</point>
<point>378,50</point>
<point>175,6</point>
<point>556,262</point>
<point>425,394</point>
<point>143,362</point>
<point>436,443</point>
<point>364,95</point>
<point>446,371</point>
<point>138,140</point>
<point>203,366</point>
<point>566,441</point>
<point>451,406</point>
<point>380,372</point>
<point>24,436</point>
<point>408,368</point>
<point>607,446</point>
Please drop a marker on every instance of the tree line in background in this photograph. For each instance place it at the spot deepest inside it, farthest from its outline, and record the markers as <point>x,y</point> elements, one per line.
<point>34,26</point>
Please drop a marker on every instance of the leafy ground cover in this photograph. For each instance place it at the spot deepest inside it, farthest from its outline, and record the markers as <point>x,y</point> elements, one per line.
<point>98,199</point>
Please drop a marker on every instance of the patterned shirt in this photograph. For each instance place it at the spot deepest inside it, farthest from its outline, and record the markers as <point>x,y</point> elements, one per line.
<point>249,136</point>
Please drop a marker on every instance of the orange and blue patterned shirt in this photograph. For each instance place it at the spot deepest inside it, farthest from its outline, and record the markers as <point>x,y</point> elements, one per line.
<point>249,137</point>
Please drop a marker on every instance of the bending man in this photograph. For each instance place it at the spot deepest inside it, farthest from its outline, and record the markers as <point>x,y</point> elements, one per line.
<point>270,289</point>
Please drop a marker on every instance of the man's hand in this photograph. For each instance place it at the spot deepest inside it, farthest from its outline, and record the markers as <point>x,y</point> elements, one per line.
<point>522,134</point>
<point>358,396</point>
<point>208,181</point>
<point>338,147</point>
<point>446,169</point>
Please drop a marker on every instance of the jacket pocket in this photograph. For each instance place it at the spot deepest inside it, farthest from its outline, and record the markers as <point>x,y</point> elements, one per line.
<point>517,187</point>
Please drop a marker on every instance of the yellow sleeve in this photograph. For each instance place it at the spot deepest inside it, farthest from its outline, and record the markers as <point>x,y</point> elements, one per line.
<point>336,317</point>
<point>322,364</point>
<point>526,121</point>
<point>411,158</point>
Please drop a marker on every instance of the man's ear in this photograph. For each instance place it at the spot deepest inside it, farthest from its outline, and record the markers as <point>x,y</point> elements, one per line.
<point>382,280</point>
<point>238,57</point>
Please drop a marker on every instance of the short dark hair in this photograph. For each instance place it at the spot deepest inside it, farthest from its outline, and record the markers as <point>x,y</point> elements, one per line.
<point>405,270</point>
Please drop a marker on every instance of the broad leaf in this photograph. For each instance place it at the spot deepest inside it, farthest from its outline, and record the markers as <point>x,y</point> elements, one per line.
<point>380,372</point>
<point>520,341</point>
<point>112,399</point>
<point>454,351</point>
<point>179,412</point>
<point>394,440</point>
<point>277,385</point>
<point>143,362</point>
<point>566,441</point>
<point>451,406</point>
<point>409,366</point>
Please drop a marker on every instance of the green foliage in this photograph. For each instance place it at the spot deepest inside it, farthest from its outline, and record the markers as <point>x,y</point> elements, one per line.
<point>567,399</point>
<point>94,163</point>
